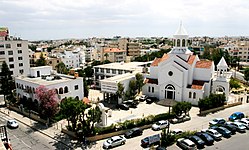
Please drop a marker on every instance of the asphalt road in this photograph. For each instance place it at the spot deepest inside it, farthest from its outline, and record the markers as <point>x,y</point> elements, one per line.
<point>25,138</point>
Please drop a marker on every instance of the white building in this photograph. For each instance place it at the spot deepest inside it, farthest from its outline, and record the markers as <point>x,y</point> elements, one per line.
<point>71,59</point>
<point>113,69</point>
<point>65,86</point>
<point>182,76</point>
<point>14,52</point>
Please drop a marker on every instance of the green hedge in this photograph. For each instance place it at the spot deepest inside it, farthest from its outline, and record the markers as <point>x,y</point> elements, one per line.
<point>129,124</point>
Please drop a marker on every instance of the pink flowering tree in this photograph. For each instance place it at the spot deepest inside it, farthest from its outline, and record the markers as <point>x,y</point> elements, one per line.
<point>48,100</point>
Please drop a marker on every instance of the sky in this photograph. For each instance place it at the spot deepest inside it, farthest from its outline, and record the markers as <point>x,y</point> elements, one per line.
<point>61,19</point>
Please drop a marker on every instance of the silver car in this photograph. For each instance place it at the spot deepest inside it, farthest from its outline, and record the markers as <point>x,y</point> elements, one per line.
<point>160,125</point>
<point>12,123</point>
<point>114,141</point>
<point>215,134</point>
<point>186,144</point>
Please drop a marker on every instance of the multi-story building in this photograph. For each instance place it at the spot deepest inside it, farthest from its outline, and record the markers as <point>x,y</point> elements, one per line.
<point>14,52</point>
<point>65,85</point>
<point>113,69</point>
<point>34,56</point>
<point>114,55</point>
<point>240,49</point>
<point>71,59</point>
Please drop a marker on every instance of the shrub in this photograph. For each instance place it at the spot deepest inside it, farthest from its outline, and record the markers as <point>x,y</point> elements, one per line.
<point>104,130</point>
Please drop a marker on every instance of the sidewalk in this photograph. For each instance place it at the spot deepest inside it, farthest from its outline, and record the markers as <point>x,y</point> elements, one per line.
<point>51,132</point>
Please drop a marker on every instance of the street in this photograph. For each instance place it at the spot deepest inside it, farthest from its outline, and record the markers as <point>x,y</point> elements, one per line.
<point>196,123</point>
<point>25,138</point>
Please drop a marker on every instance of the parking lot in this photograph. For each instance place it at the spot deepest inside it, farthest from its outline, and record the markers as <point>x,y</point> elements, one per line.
<point>143,109</point>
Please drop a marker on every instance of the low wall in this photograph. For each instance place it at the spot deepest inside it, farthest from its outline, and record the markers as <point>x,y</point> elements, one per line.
<point>32,116</point>
<point>205,112</point>
<point>102,136</point>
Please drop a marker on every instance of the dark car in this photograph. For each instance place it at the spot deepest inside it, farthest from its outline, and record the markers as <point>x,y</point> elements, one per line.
<point>230,127</point>
<point>133,132</point>
<point>236,115</point>
<point>150,100</point>
<point>131,103</point>
<point>142,98</point>
<point>123,106</point>
<point>197,140</point>
<point>224,131</point>
<point>205,137</point>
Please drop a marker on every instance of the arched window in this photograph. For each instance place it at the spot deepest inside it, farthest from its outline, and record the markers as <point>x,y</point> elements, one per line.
<point>194,95</point>
<point>56,91</point>
<point>178,43</point>
<point>183,43</point>
<point>61,90</point>
<point>77,97</point>
<point>174,42</point>
<point>65,89</point>
<point>189,95</point>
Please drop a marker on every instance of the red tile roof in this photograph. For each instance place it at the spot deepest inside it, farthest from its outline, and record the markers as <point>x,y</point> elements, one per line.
<point>151,81</point>
<point>191,59</point>
<point>158,60</point>
<point>204,64</point>
<point>3,33</point>
<point>108,50</point>
<point>86,100</point>
<point>197,84</point>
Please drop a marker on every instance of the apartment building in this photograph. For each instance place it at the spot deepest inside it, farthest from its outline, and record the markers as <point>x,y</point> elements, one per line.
<point>64,85</point>
<point>14,51</point>
<point>240,49</point>
<point>114,55</point>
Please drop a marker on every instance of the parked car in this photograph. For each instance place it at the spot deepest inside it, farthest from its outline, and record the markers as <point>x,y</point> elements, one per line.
<point>224,131</point>
<point>244,122</point>
<point>176,131</point>
<point>150,100</point>
<point>123,106</point>
<point>236,115</point>
<point>142,98</point>
<point>186,144</point>
<point>239,126</point>
<point>114,141</point>
<point>131,103</point>
<point>217,122</point>
<point>205,137</point>
<point>12,123</point>
<point>133,132</point>
<point>151,140</point>
<point>213,133</point>
<point>245,119</point>
<point>197,140</point>
<point>230,127</point>
<point>160,125</point>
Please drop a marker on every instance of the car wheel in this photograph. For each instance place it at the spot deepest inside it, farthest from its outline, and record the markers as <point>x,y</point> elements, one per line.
<point>122,143</point>
<point>109,147</point>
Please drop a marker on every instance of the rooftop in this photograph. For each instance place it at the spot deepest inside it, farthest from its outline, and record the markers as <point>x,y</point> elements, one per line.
<point>206,64</point>
<point>119,78</point>
<point>109,50</point>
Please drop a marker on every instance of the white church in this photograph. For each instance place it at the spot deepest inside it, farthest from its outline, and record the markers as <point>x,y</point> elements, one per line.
<point>182,76</point>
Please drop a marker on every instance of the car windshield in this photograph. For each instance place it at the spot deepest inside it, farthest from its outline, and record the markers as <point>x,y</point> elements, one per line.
<point>215,120</point>
<point>241,126</point>
<point>158,123</point>
<point>109,140</point>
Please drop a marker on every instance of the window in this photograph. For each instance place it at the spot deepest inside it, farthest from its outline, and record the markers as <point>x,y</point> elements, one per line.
<point>2,53</point>
<point>1,46</point>
<point>21,71</point>
<point>102,70</point>
<point>10,52</point>
<point>19,45</point>
<point>7,45</point>
<point>76,87</point>
<point>11,59</point>
<point>11,65</point>
<point>19,51</point>
<point>189,95</point>
<point>170,73</point>
<point>178,43</point>
<point>152,89</point>
<point>20,64</point>
<point>113,71</point>
<point>183,43</point>
<point>194,95</point>
<point>107,70</point>
<point>19,58</point>
<point>120,72</point>
<point>11,72</point>
<point>149,89</point>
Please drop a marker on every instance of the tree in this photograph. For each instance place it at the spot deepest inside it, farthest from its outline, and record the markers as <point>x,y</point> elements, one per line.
<point>32,47</point>
<point>41,61</point>
<point>88,71</point>
<point>246,74</point>
<point>139,81</point>
<point>93,116</point>
<point>72,109</point>
<point>234,84</point>
<point>120,91</point>
<point>106,56</point>
<point>7,83</point>
<point>132,89</point>
<point>61,68</point>
<point>48,101</point>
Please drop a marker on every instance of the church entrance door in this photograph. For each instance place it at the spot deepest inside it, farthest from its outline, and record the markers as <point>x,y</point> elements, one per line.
<point>169,92</point>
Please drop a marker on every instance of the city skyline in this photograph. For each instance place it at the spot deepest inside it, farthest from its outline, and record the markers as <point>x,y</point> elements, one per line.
<point>56,19</point>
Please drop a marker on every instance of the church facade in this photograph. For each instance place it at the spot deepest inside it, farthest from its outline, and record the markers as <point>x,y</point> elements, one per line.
<point>182,76</point>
